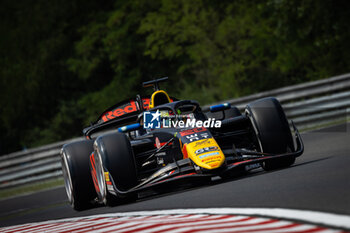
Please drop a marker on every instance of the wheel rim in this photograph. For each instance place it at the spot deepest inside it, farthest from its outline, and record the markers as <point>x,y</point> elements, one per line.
<point>100,179</point>
<point>67,177</point>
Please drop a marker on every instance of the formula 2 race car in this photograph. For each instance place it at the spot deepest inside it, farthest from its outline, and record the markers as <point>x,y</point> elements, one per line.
<point>160,142</point>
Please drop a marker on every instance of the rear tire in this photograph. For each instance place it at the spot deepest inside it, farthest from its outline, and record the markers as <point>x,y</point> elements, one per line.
<point>76,173</point>
<point>115,155</point>
<point>272,131</point>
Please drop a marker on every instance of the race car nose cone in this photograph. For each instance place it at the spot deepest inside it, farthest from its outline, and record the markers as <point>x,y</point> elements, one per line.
<point>206,153</point>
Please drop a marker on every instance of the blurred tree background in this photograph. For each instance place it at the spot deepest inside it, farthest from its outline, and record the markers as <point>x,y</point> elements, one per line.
<point>64,61</point>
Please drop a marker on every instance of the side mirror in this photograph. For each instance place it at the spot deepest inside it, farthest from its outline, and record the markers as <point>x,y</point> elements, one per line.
<point>129,128</point>
<point>220,107</point>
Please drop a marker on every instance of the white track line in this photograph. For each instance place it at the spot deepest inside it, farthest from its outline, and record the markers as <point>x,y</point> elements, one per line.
<point>115,220</point>
<point>315,217</point>
<point>169,227</point>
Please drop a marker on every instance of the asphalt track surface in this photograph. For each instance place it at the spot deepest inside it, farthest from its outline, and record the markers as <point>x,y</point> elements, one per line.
<point>319,180</point>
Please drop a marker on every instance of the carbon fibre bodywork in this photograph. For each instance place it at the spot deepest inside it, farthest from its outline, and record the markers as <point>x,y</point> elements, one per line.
<point>131,157</point>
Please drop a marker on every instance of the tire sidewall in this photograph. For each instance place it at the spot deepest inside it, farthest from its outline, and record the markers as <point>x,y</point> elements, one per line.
<point>272,131</point>
<point>76,172</point>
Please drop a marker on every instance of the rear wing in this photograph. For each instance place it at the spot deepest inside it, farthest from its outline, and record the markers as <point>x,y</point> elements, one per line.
<point>120,114</point>
<point>124,108</point>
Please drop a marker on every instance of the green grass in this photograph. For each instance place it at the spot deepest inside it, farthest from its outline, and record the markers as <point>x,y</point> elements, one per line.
<point>30,188</point>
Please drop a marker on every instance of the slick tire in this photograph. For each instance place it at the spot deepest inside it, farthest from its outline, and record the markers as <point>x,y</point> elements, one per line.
<point>272,131</point>
<point>114,155</point>
<point>76,173</point>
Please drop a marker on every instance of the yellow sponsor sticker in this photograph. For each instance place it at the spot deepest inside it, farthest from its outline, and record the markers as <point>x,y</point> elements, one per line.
<point>107,176</point>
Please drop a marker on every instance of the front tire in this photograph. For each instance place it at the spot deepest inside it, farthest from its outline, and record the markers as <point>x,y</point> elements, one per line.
<point>272,131</point>
<point>115,156</point>
<point>76,173</point>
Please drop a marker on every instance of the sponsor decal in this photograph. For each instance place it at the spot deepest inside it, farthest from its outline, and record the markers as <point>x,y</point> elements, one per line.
<point>146,103</point>
<point>108,181</point>
<point>130,107</point>
<point>192,137</point>
<point>252,166</point>
<point>195,137</point>
<point>207,155</point>
<point>192,131</point>
<point>212,161</point>
<point>107,176</point>
<point>204,135</point>
<point>213,164</point>
<point>202,142</point>
<point>206,149</point>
